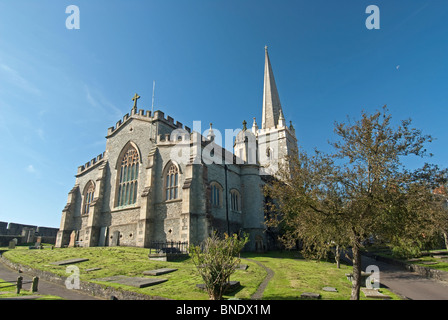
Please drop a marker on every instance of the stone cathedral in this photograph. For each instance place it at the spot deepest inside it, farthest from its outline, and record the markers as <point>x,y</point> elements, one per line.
<point>140,191</point>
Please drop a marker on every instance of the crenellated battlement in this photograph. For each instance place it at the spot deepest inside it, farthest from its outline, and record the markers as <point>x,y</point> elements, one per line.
<point>146,115</point>
<point>91,163</point>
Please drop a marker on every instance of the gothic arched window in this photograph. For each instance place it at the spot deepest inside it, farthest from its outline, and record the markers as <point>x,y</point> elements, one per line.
<point>89,193</point>
<point>216,197</point>
<point>235,200</point>
<point>171,183</point>
<point>128,178</point>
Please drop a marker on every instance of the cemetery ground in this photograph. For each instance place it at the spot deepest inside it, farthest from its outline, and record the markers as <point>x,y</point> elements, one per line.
<point>292,274</point>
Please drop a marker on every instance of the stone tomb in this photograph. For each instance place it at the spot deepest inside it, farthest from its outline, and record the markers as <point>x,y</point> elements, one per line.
<point>133,281</point>
<point>69,261</point>
<point>158,272</point>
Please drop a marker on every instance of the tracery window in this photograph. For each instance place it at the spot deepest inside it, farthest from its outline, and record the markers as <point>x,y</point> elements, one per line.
<point>171,183</point>
<point>235,200</point>
<point>128,178</point>
<point>89,194</point>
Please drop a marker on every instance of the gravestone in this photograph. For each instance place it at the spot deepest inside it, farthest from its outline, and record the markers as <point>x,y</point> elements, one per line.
<point>374,293</point>
<point>103,235</point>
<point>229,286</point>
<point>115,238</point>
<point>158,272</point>
<point>72,242</point>
<point>92,269</point>
<point>69,261</point>
<point>330,289</point>
<point>310,295</point>
<point>133,281</point>
<point>12,244</point>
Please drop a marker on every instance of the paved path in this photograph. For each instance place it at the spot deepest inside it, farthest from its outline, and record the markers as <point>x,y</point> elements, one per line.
<point>259,293</point>
<point>44,287</point>
<point>408,284</point>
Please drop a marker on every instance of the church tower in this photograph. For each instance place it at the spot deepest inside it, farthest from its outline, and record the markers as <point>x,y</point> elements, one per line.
<point>275,140</point>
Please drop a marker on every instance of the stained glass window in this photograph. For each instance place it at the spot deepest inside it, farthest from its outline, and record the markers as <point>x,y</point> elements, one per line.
<point>128,178</point>
<point>171,183</point>
<point>88,197</point>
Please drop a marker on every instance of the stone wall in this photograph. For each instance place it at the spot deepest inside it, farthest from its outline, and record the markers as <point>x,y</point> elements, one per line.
<point>423,271</point>
<point>25,233</point>
<point>3,227</point>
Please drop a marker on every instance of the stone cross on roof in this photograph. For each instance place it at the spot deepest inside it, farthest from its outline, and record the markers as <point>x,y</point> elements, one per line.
<point>135,98</point>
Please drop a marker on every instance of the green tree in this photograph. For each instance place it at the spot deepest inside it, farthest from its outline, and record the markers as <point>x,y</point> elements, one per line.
<point>216,260</point>
<point>362,190</point>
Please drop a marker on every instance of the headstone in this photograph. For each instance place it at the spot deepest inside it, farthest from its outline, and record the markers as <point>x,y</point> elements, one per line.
<point>72,242</point>
<point>310,295</point>
<point>12,245</point>
<point>115,238</point>
<point>92,269</point>
<point>330,289</point>
<point>103,235</point>
<point>15,240</point>
<point>242,267</point>
<point>158,272</point>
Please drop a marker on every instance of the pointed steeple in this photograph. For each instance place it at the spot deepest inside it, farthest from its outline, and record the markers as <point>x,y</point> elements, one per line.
<point>271,101</point>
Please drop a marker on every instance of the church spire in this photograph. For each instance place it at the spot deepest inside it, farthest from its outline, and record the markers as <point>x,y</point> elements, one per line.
<point>271,101</point>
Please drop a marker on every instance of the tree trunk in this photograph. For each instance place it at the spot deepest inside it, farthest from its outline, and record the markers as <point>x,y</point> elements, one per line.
<point>337,256</point>
<point>445,236</point>
<point>356,284</point>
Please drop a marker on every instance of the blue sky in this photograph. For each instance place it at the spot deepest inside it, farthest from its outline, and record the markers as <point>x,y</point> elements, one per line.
<point>61,89</point>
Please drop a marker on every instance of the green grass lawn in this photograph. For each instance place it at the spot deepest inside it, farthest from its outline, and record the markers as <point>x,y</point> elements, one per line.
<point>293,276</point>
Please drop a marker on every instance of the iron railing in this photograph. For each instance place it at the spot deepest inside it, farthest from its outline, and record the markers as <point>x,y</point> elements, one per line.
<point>172,247</point>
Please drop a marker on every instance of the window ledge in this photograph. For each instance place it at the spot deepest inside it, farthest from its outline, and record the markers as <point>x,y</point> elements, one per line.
<point>172,200</point>
<point>124,208</point>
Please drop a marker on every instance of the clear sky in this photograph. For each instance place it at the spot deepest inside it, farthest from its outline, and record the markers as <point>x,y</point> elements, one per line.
<point>60,89</point>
